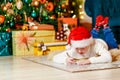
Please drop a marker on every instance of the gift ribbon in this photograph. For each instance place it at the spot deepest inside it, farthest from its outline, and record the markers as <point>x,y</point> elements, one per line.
<point>25,39</point>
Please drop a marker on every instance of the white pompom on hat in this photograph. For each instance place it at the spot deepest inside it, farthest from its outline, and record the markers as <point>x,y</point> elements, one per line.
<point>80,37</point>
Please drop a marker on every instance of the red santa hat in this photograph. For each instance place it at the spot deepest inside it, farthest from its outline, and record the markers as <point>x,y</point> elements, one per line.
<point>80,37</point>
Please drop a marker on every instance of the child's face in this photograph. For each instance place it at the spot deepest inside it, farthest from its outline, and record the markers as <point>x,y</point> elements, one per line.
<point>82,50</point>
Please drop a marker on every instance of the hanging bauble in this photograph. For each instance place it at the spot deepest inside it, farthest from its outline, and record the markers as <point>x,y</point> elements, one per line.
<point>8,5</point>
<point>19,4</point>
<point>28,1</point>
<point>50,6</point>
<point>10,1</point>
<point>42,1</point>
<point>2,18</point>
<point>12,24</point>
<point>36,3</point>
<point>4,8</point>
<point>63,5</point>
<point>34,14</point>
<point>46,17</point>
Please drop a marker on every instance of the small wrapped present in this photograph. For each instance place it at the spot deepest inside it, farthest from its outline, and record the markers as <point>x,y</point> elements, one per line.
<point>61,35</point>
<point>69,21</point>
<point>48,47</point>
<point>40,49</point>
<point>42,27</point>
<point>5,44</point>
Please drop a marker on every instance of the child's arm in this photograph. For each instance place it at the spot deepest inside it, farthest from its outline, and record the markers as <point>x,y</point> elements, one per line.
<point>101,49</point>
<point>60,57</point>
<point>104,57</point>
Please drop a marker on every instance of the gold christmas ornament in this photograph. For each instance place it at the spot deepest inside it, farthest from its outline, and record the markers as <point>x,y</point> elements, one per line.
<point>4,8</point>
<point>36,3</point>
<point>63,5</point>
<point>8,5</point>
<point>10,11</point>
<point>19,4</point>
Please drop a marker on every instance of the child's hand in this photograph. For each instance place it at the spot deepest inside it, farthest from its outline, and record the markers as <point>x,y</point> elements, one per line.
<point>70,60</point>
<point>83,62</point>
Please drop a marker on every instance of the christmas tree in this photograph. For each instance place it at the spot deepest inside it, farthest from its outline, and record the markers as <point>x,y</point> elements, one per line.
<point>14,13</point>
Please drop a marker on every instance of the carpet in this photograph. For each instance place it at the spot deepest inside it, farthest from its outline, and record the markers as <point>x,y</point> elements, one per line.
<point>72,68</point>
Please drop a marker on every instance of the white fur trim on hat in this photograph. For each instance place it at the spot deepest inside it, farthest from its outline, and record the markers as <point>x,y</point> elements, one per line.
<point>81,43</point>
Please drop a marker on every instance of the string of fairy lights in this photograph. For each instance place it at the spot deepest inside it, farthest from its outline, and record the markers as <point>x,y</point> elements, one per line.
<point>79,11</point>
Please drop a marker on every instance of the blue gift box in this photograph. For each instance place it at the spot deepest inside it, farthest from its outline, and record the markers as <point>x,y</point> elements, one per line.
<point>5,44</point>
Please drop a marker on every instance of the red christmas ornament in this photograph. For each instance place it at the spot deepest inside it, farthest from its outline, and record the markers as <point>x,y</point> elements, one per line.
<point>42,1</point>
<point>50,6</point>
<point>2,18</point>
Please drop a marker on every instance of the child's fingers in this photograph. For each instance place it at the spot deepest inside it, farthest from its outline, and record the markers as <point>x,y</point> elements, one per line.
<point>71,61</point>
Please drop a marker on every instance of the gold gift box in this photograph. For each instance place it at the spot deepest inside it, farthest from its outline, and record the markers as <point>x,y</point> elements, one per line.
<point>51,47</point>
<point>23,41</point>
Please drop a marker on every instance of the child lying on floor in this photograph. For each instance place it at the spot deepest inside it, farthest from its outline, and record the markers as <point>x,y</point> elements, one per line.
<point>84,49</point>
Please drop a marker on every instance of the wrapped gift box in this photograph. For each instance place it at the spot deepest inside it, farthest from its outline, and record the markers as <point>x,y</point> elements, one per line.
<point>61,35</point>
<point>23,41</point>
<point>70,21</point>
<point>42,27</point>
<point>50,47</point>
<point>5,44</point>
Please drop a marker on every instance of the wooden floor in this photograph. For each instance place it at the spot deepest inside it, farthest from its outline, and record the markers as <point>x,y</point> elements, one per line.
<point>15,68</point>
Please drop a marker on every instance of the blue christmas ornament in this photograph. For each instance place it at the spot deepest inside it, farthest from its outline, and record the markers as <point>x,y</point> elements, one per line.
<point>12,24</point>
<point>10,1</point>
<point>27,1</point>
<point>46,18</point>
<point>34,14</point>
